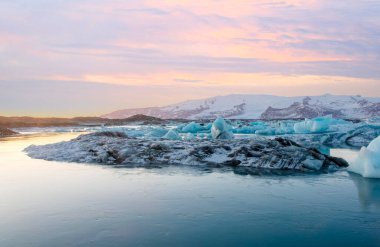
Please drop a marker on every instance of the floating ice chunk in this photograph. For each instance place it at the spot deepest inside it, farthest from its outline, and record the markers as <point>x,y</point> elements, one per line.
<point>244,130</point>
<point>318,125</point>
<point>283,131</point>
<point>135,133</point>
<point>367,162</point>
<point>157,132</point>
<point>189,136</point>
<point>221,130</point>
<point>172,135</point>
<point>208,127</point>
<point>204,136</point>
<point>311,126</point>
<point>259,123</point>
<point>284,127</point>
<point>268,131</point>
<point>251,129</point>
<point>194,127</point>
<point>330,120</point>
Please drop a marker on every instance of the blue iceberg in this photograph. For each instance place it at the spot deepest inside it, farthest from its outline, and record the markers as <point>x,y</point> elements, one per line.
<point>172,135</point>
<point>157,132</point>
<point>194,127</point>
<point>189,136</point>
<point>317,125</point>
<point>221,130</point>
<point>252,128</point>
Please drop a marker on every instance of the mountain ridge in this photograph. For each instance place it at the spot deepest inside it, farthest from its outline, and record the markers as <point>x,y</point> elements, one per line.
<point>261,106</point>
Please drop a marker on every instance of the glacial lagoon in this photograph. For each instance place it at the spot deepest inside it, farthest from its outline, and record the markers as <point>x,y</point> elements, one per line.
<point>47,203</point>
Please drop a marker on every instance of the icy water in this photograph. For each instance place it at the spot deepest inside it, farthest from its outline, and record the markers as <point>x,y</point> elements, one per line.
<point>59,204</point>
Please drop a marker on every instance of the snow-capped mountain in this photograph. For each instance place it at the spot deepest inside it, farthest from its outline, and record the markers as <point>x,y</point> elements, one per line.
<point>263,106</point>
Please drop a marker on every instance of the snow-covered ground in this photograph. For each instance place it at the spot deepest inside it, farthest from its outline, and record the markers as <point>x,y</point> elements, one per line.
<point>263,106</point>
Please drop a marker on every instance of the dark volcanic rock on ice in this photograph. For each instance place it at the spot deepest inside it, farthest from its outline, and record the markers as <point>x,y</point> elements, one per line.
<point>115,148</point>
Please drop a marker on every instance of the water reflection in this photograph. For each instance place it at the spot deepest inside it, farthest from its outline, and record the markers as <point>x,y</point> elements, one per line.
<point>368,190</point>
<point>45,203</point>
<point>207,169</point>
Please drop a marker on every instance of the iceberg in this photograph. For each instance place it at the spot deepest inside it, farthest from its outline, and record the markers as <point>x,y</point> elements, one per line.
<point>316,133</point>
<point>349,136</point>
<point>261,128</point>
<point>367,162</point>
<point>192,127</point>
<point>135,133</point>
<point>244,130</point>
<point>221,129</point>
<point>258,124</point>
<point>207,127</point>
<point>157,132</point>
<point>172,135</point>
<point>317,125</point>
<point>189,136</point>
<point>268,131</point>
<point>243,155</point>
<point>310,126</point>
<point>252,128</point>
<point>284,127</point>
<point>204,136</point>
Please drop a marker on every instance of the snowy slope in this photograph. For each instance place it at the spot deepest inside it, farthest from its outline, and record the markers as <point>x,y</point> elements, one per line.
<point>263,106</point>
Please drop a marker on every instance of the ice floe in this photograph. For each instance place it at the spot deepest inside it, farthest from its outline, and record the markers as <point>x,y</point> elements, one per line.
<point>367,163</point>
<point>116,148</point>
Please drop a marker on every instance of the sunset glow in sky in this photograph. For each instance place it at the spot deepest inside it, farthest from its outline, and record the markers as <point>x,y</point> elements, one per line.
<point>88,57</point>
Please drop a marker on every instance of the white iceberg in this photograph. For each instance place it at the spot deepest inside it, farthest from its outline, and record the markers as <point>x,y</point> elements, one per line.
<point>367,162</point>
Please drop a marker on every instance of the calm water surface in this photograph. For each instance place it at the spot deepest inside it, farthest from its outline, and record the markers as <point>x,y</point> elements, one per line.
<point>45,203</point>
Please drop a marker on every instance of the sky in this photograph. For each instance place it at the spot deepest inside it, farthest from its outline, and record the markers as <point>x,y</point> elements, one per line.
<point>89,57</point>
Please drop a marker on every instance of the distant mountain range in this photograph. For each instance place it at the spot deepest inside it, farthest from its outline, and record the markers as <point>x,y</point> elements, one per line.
<point>24,122</point>
<point>262,107</point>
